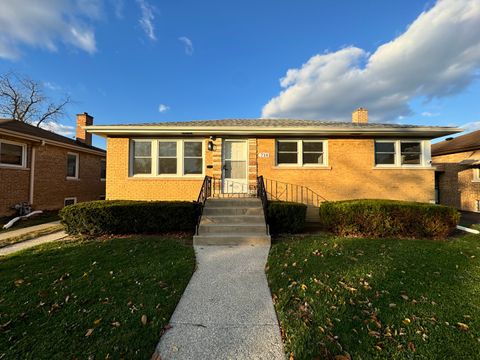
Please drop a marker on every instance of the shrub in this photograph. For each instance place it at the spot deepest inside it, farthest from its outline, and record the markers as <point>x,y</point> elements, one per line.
<point>128,217</point>
<point>388,218</point>
<point>286,217</point>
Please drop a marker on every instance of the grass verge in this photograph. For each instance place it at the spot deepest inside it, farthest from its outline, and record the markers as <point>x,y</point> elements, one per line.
<point>91,299</point>
<point>31,235</point>
<point>377,298</point>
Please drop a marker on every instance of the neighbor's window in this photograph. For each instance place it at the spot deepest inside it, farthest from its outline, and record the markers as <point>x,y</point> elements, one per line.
<point>142,157</point>
<point>167,157</point>
<point>301,152</point>
<point>72,166</point>
<point>192,157</point>
<point>400,153</point>
<point>384,153</point>
<point>12,154</point>
<point>69,201</point>
<point>411,152</point>
<point>103,169</point>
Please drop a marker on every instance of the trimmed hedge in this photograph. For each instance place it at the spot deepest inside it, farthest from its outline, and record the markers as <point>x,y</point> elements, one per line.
<point>388,218</point>
<point>128,217</point>
<point>286,217</point>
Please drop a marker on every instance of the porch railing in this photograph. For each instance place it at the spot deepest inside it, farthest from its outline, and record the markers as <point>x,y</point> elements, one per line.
<point>205,193</point>
<point>282,191</point>
<point>262,194</point>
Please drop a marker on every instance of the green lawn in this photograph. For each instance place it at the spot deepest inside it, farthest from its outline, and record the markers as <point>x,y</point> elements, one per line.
<point>372,298</point>
<point>43,218</point>
<point>91,299</point>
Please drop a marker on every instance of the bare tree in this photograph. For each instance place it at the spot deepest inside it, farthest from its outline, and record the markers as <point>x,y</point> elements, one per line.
<point>23,99</point>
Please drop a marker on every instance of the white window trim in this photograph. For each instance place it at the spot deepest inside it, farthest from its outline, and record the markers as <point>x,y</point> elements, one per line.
<point>155,156</point>
<point>76,177</point>
<point>425,156</point>
<point>476,175</point>
<point>24,154</point>
<point>70,198</point>
<point>299,162</point>
<point>104,161</point>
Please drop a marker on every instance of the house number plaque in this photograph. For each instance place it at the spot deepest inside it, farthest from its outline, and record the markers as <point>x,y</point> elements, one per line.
<point>264,155</point>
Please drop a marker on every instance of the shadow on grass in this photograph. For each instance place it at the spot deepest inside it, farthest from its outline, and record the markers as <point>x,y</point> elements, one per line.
<point>79,299</point>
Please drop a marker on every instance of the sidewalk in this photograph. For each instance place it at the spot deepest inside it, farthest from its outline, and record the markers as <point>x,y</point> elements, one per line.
<point>26,230</point>
<point>226,311</point>
<point>10,249</point>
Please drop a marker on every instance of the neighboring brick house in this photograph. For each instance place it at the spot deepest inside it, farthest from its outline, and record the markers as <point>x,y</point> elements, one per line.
<point>48,170</point>
<point>457,162</point>
<point>301,160</point>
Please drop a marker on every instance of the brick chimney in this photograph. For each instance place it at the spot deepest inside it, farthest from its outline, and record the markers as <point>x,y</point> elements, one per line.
<point>360,116</point>
<point>82,121</point>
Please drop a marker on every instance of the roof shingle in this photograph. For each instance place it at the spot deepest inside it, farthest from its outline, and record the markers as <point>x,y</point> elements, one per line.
<point>27,129</point>
<point>467,142</point>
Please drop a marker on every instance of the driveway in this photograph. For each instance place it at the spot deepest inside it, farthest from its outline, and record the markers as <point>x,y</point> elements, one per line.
<point>226,311</point>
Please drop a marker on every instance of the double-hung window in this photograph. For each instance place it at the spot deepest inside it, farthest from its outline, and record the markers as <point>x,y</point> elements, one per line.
<point>174,157</point>
<point>192,157</point>
<point>401,153</point>
<point>167,157</point>
<point>12,154</point>
<point>141,157</point>
<point>301,152</point>
<point>72,166</point>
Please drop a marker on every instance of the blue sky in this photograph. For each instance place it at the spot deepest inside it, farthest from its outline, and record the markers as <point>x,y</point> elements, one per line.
<point>407,61</point>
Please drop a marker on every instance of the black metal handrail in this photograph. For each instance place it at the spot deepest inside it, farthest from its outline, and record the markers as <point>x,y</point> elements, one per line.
<point>205,193</point>
<point>262,194</point>
<point>278,190</point>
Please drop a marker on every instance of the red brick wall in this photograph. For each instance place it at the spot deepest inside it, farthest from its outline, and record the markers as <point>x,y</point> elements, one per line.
<point>51,186</point>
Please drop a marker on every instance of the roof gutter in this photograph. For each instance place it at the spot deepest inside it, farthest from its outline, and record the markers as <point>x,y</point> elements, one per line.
<point>428,132</point>
<point>52,142</point>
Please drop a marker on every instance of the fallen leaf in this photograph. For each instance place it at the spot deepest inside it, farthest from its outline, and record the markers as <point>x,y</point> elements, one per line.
<point>89,332</point>
<point>411,346</point>
<point>144,319</point>
<point>392,305</point>
<point>18,282</point>
<point>97,322</point>
<point>406,321</point>
<point>462,326</point>
<point>116,324</point>
<point>404,297</point>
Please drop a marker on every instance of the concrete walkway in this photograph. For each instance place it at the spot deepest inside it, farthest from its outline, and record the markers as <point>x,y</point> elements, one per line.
<point>226,311</point>
<point>26,230</point>
<point>7,250</point>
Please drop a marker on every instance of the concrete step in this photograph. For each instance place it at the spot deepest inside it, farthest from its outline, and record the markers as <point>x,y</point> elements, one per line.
<point>229,239</point>
<point>232,229</point>
<point>233,219</point>
<point>234,202</point>
<point>209,210</point>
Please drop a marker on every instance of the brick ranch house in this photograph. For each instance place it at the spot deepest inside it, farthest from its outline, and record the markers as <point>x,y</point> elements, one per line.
<point>457,175</point>
<point>48,170</point>
<point>300,160</point>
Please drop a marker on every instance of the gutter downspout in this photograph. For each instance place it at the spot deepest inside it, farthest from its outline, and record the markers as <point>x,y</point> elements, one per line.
<point>32,176</point>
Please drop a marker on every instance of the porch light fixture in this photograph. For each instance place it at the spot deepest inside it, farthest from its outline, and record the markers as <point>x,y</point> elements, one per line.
<point>211,146</point>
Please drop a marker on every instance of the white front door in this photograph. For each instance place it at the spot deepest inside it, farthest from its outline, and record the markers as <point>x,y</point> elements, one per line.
<point>235,161</point>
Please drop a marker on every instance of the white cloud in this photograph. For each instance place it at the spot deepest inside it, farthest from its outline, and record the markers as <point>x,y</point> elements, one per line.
<point>438,55</point>
<point>118,8</point>
<point>188,45</point>
<point>429,114</point>
<point>52,86</point>
<point>471,126</point>
<point>163,108</point>
<point>65,130</point>
<point>46,23</point>
<point>147,18</point>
